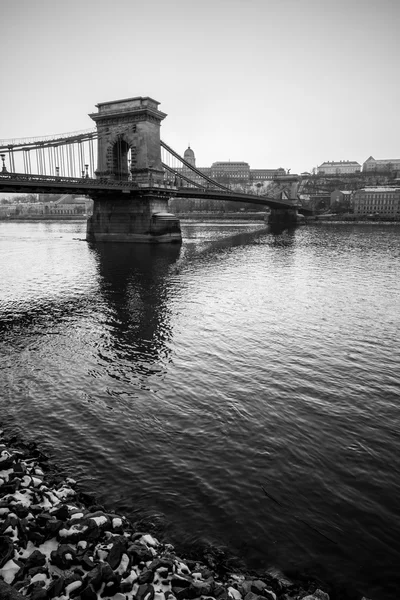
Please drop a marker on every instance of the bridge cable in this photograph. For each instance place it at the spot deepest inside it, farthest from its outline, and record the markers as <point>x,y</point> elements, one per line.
<point>91,157</point>
<point>44,160</point>
<point>64,172</point>
<point>181,176</point>
<point>197,171</point>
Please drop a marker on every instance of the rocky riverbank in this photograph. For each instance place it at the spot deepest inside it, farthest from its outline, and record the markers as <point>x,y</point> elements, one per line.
<point>58,543</point>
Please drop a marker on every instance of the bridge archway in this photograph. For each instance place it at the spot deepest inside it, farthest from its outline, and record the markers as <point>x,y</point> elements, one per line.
<point>121,160</point>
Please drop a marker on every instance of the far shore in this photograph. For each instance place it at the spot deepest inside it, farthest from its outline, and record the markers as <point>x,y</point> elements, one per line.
<point>216,217</point>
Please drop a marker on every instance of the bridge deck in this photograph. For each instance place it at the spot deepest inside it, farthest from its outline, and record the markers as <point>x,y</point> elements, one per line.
<point>21,183</point>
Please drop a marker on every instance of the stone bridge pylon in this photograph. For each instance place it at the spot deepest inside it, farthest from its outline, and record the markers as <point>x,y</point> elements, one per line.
<point>285,188</point>
<point>129,150</point>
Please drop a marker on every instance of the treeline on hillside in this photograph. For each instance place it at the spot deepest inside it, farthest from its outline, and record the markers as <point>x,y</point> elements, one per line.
<point>29,198</point>
<point>186,205</point>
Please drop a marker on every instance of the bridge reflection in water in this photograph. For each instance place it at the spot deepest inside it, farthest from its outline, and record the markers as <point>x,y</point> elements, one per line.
<point>134,284</point>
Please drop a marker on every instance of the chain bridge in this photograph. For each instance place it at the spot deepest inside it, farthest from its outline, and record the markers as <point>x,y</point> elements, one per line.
<point>128,171</point>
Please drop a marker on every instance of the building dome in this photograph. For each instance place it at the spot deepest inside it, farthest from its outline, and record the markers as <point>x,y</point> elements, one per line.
<point>189,156</point>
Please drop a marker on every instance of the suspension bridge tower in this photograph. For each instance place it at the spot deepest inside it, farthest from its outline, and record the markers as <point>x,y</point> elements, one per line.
<point>129,153</point>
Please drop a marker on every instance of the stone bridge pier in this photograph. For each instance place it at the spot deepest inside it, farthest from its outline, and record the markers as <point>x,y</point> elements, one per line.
<point>141,218</point>
<point>129,151</point>
<point>287,217</point>
<point>285,189</point>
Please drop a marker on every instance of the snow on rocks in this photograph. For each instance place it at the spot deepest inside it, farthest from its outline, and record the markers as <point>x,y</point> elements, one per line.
<point>54,546</point>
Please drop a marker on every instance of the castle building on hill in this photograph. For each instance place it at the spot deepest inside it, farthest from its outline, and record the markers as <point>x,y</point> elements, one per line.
<point>372,165</point>
<point>234,172</point>
<point>341,167</point>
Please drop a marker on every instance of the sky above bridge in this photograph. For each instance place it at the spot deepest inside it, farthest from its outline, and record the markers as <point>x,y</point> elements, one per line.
<point>275,83</point>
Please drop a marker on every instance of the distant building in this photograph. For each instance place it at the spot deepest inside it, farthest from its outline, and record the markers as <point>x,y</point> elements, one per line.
<point>228,172</point>
<point>67,205</point>
<point>231,170</point>
<point>341,199</point>
<point>265,174</point>
<point>341,167</point>
<point>379,201</point>
<point>372,165</point>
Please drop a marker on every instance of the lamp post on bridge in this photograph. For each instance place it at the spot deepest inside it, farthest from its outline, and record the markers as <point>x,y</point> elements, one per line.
<point>3,158</point>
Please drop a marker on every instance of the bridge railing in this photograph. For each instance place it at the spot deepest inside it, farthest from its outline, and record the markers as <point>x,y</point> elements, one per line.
<point>81,182</point>
<point>89,181</point>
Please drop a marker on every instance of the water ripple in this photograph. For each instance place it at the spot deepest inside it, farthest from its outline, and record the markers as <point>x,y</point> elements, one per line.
<point>179,383</point>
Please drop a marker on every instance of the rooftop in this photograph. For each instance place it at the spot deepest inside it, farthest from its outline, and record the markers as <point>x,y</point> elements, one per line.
<point>383,160</point>
<point>380,189</point>
<point>341,162</point>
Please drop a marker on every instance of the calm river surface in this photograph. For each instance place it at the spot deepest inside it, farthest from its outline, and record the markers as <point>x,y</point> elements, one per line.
<point>178,382</point>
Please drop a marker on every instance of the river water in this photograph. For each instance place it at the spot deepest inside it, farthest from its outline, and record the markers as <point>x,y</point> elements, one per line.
<point>242,389</point>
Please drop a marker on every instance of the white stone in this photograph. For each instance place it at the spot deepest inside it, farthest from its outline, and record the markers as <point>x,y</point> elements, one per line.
<point>4,455</point>
<point>132,577</point>
<point>116,522</point>
<point>72,586</point>
<point>123,565</point>
<point>182,569</point>
<point>48,546</point>
<point>9,571</point>
<point>235,594</point>
<point>135,589</point>
<point>64,492</point>
<point>52,498</point>
<point>45,503</point>
<point>73,529</point>
<point>4,474</point>
<point>24,499</point>
<point>149,540</point>
<point>77,515</point>
<point>39,577</point>
<point>13,531</point>
<point>99,520</point>
<point>102,554</point>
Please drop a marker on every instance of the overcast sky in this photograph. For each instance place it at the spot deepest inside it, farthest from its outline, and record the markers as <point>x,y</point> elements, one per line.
<point>275,83</point>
